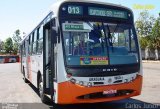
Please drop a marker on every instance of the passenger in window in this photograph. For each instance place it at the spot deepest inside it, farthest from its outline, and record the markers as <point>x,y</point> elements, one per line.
<point>80,49</point>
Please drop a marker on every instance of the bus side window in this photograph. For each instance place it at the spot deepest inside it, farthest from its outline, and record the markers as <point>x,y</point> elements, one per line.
<point>22,53</point>
<point>37,32</point>
<point>24,49</point>
<point>34,43</point>
<point>30,45</point>
<point>40,40</point>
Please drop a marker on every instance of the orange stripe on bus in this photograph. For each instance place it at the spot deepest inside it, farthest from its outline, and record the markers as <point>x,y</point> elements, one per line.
<point>68,92</point>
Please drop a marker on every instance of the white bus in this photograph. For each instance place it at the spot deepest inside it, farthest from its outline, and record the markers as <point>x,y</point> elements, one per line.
<point>83,52</point>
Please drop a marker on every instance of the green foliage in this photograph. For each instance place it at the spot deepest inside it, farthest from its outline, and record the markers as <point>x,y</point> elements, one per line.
<point>1,46</point>
<point>148,30</point>
<point>16,38</point>
<point>144,24</point>
<point>143,42</point>
<point>8,45</point>
<point>11,45</point>
<point>156,34</point>
<point>15,48</point>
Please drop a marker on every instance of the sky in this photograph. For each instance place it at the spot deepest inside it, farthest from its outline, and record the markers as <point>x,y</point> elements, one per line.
<point>26,14</point>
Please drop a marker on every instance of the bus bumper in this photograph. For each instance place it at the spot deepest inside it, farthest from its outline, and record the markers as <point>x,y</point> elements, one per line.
<point>69,93</point>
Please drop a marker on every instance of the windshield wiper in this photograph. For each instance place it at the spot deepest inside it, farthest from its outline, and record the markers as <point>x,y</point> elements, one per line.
<point>109,36</point>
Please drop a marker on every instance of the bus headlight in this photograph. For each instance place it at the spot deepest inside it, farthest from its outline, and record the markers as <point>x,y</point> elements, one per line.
<point>126,80</point>
<point>73,81</point>
<point>81,83</point>
<point>109,80</point>
<point>89,84</point>
<point>69,75</point>
<point>132,78</point>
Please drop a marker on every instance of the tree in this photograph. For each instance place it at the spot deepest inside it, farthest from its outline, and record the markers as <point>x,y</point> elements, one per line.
<point>143,42</point>
<point>1,46</point>
<point>156,36</point>
<point>16,38</point>
<point>8,45</point>
<point>144,25</point>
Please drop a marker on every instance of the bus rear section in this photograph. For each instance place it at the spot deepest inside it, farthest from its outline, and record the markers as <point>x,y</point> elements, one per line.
<point>101,59</point>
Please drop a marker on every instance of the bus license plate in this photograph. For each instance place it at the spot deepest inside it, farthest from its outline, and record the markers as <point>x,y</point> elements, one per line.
<point>108,92</point>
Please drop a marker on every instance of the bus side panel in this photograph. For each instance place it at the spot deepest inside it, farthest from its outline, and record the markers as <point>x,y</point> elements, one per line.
<point>61,73</point>
<point>34,70</point>
<point>37,67</point>
<point>29,68</point>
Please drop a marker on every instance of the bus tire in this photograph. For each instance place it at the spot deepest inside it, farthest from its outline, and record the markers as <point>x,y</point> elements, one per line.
<point>41,91</point>
<point>24,77</point>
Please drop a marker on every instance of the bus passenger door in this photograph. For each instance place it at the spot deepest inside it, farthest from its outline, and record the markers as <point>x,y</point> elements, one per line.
<point>49,56</point>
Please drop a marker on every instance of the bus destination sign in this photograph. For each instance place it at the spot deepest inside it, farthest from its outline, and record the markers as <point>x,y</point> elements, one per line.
<point>107,12</point>
<point>72,27</point>
<point>75,27</point>
<point>95,11</point>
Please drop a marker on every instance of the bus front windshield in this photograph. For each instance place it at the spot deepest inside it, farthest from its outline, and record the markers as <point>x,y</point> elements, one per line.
<point>99,43</point>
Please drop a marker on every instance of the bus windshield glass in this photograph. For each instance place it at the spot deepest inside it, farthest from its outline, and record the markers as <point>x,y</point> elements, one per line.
<point>99,43</point>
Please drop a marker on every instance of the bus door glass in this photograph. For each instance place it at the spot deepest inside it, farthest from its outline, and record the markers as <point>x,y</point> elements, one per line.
<point>40,48</point>
<point>47,53</point>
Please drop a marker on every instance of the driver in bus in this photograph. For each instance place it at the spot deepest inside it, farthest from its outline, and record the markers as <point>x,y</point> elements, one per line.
<point>95,35</point>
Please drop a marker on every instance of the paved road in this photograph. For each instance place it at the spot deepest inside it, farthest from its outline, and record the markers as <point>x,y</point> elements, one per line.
<point>24,96</point>
<point>151,83</point>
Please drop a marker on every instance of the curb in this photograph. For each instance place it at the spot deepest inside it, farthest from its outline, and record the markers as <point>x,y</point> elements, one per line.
<point>149,61</point>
